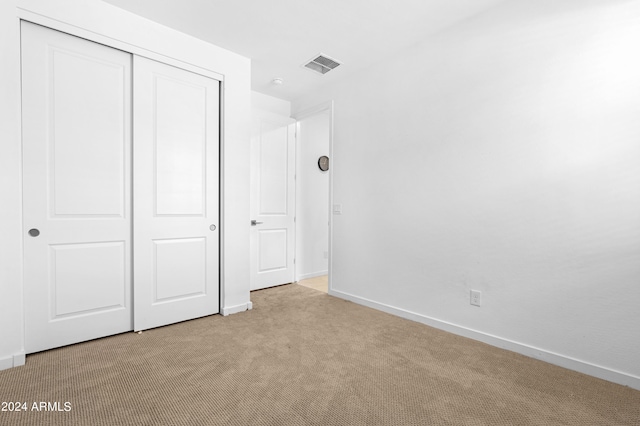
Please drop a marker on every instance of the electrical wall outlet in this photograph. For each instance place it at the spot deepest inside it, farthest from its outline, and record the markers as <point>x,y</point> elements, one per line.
<point>476,297</point>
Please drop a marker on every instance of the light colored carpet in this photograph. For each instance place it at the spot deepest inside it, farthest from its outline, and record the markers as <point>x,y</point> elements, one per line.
<point>302,357</point>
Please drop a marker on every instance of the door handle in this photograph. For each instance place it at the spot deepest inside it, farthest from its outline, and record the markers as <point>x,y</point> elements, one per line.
<point>34,232</point>
<point>255,222</point>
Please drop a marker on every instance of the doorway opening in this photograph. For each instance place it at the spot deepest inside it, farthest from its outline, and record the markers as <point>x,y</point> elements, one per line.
<point>291,169</point>
<point>314,165</point>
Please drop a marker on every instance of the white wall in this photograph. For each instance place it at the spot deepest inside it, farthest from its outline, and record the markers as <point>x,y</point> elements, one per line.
<point>11,328</point>
<point>265,103</point>
<point>102,22</point>
<point>501,155</point>
<point>312,196</point>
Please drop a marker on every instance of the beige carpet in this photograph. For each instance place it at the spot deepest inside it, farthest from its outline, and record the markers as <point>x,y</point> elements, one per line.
<point>301,357</point>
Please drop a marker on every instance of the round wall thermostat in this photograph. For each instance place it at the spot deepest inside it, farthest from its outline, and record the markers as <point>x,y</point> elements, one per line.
<point>323,163</point>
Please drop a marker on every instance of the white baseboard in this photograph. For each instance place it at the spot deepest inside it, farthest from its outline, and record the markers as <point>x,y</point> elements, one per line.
<point>523,349</point>
<point>312,275</point>
<point>6,363</point>
<point>228,310</point>
<point>12,361</point>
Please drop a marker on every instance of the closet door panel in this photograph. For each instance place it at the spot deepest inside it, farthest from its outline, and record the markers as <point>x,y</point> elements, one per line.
<point>76,177</point>
<point>176,191</point>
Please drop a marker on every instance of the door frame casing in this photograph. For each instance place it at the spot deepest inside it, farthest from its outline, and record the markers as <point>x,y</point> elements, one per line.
<point>320,108</point>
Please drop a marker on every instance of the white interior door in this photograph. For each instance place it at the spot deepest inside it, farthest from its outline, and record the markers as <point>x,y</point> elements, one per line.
<point>176,186</point>
<point>76,172</point>
<point>272,201</point>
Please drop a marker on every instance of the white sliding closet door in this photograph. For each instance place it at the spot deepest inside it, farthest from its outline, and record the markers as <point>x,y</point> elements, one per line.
<point>176,185</point>
<point>77,208</point>
<point>83,191</point>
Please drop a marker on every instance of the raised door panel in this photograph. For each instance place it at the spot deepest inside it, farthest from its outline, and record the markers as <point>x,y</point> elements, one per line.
<point>87,278</point>
<point>274,170</point>
<point>190,279</point>
<point>180,147</point>
<point>272,245</point>
<point>86,134</point>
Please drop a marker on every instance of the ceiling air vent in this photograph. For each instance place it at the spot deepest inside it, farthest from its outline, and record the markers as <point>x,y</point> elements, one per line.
<point>321,64</point>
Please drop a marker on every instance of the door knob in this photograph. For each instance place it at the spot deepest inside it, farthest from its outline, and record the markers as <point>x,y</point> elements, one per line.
<point>255,222</point>
<point>34,232</point>
<point>212,227</point>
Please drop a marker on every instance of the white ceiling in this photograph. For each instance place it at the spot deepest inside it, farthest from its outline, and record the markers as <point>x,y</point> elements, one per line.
<point>280,35</point>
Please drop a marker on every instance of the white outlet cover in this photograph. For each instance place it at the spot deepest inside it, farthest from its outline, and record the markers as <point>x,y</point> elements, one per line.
<point>476,297</point>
